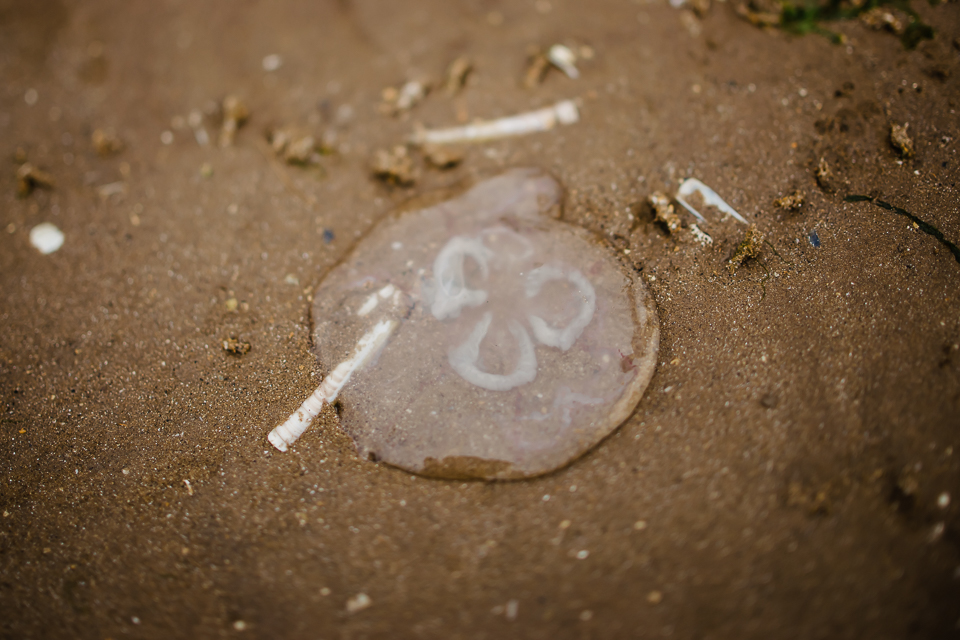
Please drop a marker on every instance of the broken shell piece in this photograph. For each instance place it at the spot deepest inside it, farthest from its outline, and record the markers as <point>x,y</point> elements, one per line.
<point>294,147</point>
<point>106,142</point>
<point>394,166</point>
<point>710,198</point>
<point>563,112</point>
<point>748,248</point>
<point>563,58</point>
<point>901,141</point>
<point>408,96</point>
<point>521,340</point>
<point>457,74</point>
<point>30,177</point>
<point>46,238</point>
<point>235,113</point>
<point>792,202</point>
<point>663,211</point>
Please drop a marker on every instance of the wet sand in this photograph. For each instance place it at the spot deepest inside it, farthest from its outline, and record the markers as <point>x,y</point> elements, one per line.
<point>793,470</point>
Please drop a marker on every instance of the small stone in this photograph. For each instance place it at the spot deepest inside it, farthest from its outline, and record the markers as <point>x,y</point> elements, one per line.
<point>901,141</point>
<point>583,554</point>
<point>236,346</point>
<point>586,615</point>
<point>512,608</point>
<point>943,500</point>
<point>106,142</point>
<point>792,202</point>
<point>239,625</point>
<point>654,597</point>
<point>748,248</point>
<point>231,304</point>
<point>358,603</point>
<point>394,166</point>
<point>325,591</point>
<point>640,525</point>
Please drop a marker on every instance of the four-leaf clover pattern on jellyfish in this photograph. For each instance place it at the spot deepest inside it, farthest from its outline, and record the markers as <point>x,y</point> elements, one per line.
<point>520,341</point>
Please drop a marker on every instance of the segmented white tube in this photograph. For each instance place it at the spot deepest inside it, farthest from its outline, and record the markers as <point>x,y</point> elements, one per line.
<point>563,112</point>
<point>298,422</point>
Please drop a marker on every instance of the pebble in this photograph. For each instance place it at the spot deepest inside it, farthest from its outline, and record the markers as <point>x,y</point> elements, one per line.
<point>654,597</point>
<point>943,500</point>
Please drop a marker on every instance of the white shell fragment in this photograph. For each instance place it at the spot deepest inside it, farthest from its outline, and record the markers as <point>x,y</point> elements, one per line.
<point>46,237</point>
<point>563,58</point>
<point>520,341</point>
<point>710,198</point>
<point>563,112</point>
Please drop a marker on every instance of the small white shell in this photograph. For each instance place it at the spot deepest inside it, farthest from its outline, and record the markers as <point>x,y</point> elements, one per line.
<point>46,237</point>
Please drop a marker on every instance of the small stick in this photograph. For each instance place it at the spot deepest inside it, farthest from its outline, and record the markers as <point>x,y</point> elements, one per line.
<point>298,422</point>
<point>563,112</point>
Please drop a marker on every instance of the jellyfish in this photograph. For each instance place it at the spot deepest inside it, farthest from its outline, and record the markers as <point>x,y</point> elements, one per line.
<point>483,338</point>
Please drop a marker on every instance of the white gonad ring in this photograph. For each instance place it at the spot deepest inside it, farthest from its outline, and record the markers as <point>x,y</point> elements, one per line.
<point>562,338</point>
<point>508,257</point>
<point>452,293</point>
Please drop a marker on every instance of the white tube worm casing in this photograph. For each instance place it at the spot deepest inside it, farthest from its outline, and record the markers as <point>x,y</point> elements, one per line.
<point>563,112</point>
<point>298,422</point>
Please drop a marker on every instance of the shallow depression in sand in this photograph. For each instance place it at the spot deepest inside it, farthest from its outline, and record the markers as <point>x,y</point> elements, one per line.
<point>521,340</point>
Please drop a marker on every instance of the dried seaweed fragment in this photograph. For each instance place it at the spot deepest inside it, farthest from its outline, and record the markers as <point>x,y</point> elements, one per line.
<point>30,177</point>
<point>792,202</point>
<point>900,140</point>
<point>748,248</point>
<point>394,166</point>
<point>824,176</point>
<point>663,211</point>
<point>236,346</point>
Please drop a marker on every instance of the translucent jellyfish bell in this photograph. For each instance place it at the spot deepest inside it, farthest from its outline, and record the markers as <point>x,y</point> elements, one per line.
<point>520,341</point>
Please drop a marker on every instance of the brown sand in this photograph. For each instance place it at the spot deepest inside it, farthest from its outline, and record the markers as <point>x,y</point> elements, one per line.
<point>780,478</point>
